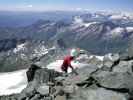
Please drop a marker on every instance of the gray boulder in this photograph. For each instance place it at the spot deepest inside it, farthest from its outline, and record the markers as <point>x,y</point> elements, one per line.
<point>36,97</point>
<point>83,74</point>
<point>43,89</point>
<point>95,62</point>
<point>124,66</point>
<point>69,89</point>
<point>114,80</point>
<point>97,94</point>
<point>109,60</point>
<point>60,98</point>
<point>111,57</point>
<point>124,56</point>
<point>45,75</point>
<point>28,91</point>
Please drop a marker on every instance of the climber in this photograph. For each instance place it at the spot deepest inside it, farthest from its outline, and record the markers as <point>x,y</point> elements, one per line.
<point>67,61</point>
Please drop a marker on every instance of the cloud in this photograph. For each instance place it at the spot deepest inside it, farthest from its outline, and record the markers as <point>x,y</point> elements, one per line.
<point>29,6</point>
<point>79,9</point>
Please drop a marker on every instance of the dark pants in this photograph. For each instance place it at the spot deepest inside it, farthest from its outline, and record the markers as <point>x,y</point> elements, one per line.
<point>64,69</point>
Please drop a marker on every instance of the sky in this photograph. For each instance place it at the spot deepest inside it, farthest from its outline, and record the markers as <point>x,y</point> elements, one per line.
<point>46,5</point>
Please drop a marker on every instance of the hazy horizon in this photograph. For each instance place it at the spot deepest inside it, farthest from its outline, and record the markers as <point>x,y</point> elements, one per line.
<point>67,5</point>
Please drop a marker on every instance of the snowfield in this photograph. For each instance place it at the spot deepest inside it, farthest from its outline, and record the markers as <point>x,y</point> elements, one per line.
<point>12,82</point>
<point>76,64</point>
<point>57,64</point>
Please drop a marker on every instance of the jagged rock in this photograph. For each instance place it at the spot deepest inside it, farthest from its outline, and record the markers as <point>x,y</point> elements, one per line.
<point>36,97</point>
<point>28,91</point>
<point>40,64</point>
<point>58,90</point>
<point>83,74</point>
<point>124,57</point>
<point>115,57</point>
<point>107,64</point>
<point>45,75</point>
<point>41,75</point>
<point>124,66</point>
<point>97,94</point>
<point>82,58</point>
<point>60,78</point>
<point>10,97</point>
<point>96,62</point>
<point>69,89</point>
<point>39,78</point>
<point>114,80</point>
<point>91,83</point>
<point>109,61</point>
<point>112,57</point>
<point>47,98</point>
<point>43,89</point>
<point>60,98</point>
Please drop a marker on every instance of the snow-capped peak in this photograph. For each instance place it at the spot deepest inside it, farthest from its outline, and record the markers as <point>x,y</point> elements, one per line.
<point>116,32</point>
<point>79,21</point>
<point>19,47</point>
<point>41,50</point>
<point>117,17</point>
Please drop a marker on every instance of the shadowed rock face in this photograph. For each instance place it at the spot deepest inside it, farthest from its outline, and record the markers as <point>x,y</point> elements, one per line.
<point>36,73</point>
<point>31,72</point>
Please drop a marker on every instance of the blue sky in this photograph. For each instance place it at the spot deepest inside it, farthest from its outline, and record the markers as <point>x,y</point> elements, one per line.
<point>92,5</point>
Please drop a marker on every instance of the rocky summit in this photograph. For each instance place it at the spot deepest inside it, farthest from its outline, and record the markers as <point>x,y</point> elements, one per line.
<point>113,80</point>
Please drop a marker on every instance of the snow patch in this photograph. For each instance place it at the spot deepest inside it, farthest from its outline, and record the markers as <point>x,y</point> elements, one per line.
<point>79,21</point>
<point>40,51</point>
<point>116,32</point>
<point>117,17</point>
<point>57,65</point>
<point>19,47</point>
<point>13,82</point>
<point>88,24</point>
<point>129,29</point>
<point>98,57</point>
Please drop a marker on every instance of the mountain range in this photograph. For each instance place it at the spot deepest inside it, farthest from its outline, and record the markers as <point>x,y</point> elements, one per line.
<point>98,33</point>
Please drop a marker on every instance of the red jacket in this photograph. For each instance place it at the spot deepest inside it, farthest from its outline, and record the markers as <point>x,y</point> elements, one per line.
<point>67,63</point>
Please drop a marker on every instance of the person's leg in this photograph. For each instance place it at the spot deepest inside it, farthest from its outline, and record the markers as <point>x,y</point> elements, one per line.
<point>65,72</point>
